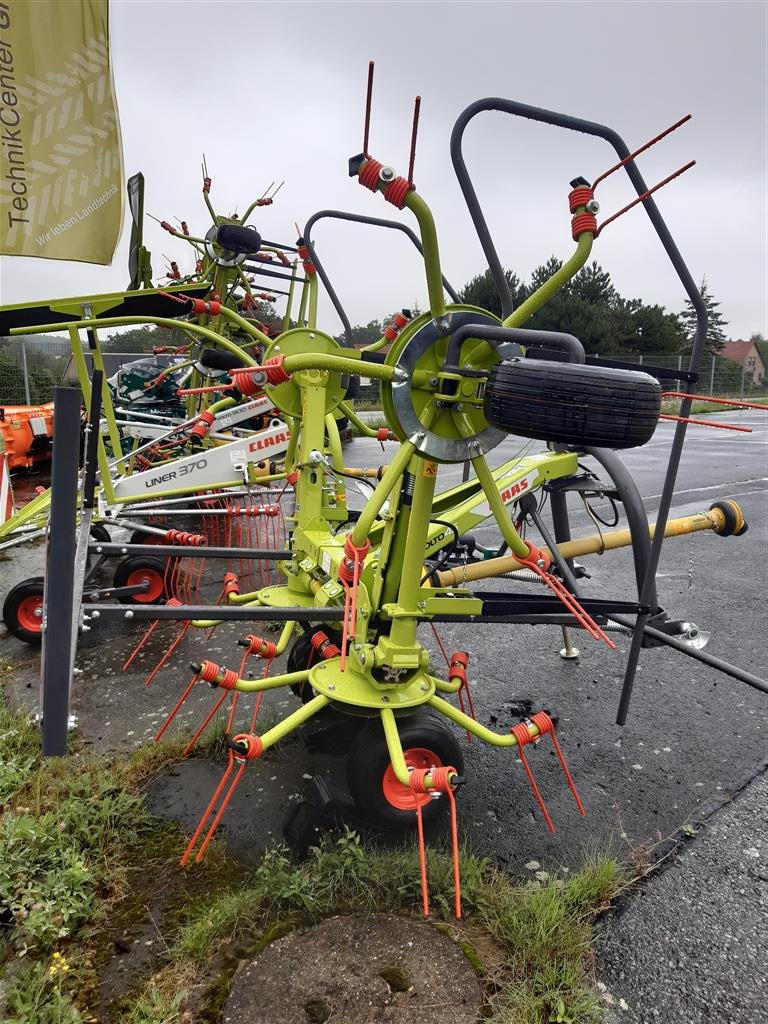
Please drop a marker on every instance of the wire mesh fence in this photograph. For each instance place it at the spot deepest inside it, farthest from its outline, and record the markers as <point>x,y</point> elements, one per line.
<point>31,369</point>
<point>719,377</point>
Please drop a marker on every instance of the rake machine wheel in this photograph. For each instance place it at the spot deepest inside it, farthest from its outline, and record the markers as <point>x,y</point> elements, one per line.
<point>300,656</point>
<point>427,742</point>
<point>134,570</point>
<point>23,610</point>
<point>574,404</point>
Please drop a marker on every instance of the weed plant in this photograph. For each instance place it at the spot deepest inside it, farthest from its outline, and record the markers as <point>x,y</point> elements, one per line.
<point>72,831</point>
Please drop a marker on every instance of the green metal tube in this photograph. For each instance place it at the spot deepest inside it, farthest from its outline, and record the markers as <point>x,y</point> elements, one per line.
<point>107,409</point>
<point>498,508</point>
<point>85,386</point>
<point>309,490</point>
<point>496,739</point>
<point>284,728</point>
<point>423,214</point>
<point>384,488</point>
<point>341,364</point>
<point>334,441</point>
<point>290,452</point>
<point>413,555</point>
<point>394,746</point>
<point>346,410</point>
<point>210,206</point>
<point>303,303</point>
<point>312,310</point>
<point>446,686</point>
<point>285,636</point>
<point>124,321</point>
<point>375,345</point>
<point>271,682</point>
<point>221,405</point>
<point>245,325</point>
<point>289,300</point>
<point>554,284</point>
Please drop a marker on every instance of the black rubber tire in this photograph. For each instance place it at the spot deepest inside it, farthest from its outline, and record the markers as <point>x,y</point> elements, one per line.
<point>220,359</point>
<point>31,588</point>
<point>298,658</point>
<point>135,564</point>
<point>368,760</point>
<point>100,534</point>
<point>238,238</point>
<point>584,406</point>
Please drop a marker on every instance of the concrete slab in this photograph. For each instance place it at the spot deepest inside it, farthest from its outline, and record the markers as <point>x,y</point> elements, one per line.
<point>370,969</point>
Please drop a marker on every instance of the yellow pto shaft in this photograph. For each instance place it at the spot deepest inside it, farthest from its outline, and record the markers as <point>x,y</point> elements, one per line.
<point>725,518</point>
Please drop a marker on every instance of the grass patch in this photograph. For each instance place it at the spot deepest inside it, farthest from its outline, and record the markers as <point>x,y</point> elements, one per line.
<point>540,935</point>
<point>78,853</point>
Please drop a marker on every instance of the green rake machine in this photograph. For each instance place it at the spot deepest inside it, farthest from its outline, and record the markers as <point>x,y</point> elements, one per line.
<point>455,382</point>
<point>212,441</point>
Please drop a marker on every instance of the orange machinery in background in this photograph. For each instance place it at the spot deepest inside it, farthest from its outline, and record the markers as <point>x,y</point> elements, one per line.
<point>27,433</point>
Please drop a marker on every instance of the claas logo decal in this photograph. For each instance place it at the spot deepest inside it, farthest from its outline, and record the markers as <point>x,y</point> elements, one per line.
<point>511,492</point>
<point>260,443</point>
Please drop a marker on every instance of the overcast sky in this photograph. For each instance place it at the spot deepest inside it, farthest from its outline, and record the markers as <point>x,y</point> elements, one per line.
<point>276,91</point>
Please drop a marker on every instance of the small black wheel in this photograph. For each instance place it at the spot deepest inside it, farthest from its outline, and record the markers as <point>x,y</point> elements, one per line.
<point>300,656</point>
<point>428,742</point>
<point>584,406</point>
<point>100,533</point>
<point>23,610</point>
<point>136,569</point>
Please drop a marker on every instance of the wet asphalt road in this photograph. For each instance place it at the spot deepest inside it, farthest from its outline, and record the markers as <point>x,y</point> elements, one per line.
<point>690,946</point>
<point>693,738</point>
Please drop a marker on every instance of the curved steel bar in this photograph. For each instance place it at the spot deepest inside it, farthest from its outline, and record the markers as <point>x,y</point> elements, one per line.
<point>615,140</point>
<point>357,218</point>
<point>637,517</point>
<point>515,335</point>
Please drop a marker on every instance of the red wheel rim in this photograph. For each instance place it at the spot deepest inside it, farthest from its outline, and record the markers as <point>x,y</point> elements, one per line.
<point>29,614</point>
<point>155,580</point>
<point>395,792</point>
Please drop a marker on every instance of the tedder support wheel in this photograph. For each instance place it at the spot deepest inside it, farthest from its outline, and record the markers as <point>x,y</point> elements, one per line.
<point>23,610</point>
<point>300,657</point>
<point>100,534</point>
<point>136,569</point>
<point>584,406</point>
<point>427,742</point>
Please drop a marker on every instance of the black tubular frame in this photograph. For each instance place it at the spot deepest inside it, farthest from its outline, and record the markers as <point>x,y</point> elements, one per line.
<point>512,335</point>
<point>356,218</point>
<point>61,565</point>
<point>567,121</point>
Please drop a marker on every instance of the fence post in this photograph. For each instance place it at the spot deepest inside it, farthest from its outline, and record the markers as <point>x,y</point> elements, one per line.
<point>60,573</point>
<point>712,377</point>
<point>743,375</point>
<point>25,370</point>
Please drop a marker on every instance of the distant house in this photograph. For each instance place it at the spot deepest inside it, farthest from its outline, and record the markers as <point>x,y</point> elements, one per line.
<point>746,354</point>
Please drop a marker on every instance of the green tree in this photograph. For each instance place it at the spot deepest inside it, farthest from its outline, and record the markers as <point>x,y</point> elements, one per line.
<point>589,307</point>
<point>481,291</point>
<point>716,323</point>
<point>363,334</point>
